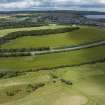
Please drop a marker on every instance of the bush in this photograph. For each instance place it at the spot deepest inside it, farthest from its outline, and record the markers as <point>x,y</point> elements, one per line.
<point>6,75</point>
<point>54,81</point>
<point>36,86</point>
<point>10,93</point>
<point>54,76</point>
<point>66,82</point>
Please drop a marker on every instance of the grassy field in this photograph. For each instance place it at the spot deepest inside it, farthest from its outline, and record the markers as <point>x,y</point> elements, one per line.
<point>4,32</point>
<point>87,88</point>
<point>81,36</point>
<point>5,17</point>
<point>53,59</point>
<point>22,84</point>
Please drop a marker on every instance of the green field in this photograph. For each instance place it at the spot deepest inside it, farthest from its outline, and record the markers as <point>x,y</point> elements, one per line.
<point>82,36</point>
<point>88,87</point>
<point>53,59</point>
<point>4,32</point>
<point>64,78</point>
<point>5,17</point>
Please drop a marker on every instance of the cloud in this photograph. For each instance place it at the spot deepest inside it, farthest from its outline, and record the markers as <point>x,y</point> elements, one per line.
<point>18,4</point>
<point>51,4</point>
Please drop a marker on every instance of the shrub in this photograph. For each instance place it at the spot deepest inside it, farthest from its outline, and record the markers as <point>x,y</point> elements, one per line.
<point>6,75</point>
<point>10,93</point>
<point>66,82</point>
<point>36,86</point>
<point>54,76</point>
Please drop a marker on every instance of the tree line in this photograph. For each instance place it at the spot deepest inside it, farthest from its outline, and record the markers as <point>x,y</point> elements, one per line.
<point>17,54</point>
<point>24,50</point>
<point>9,25</point>
<point>20,52</point>
<point>14,35</point>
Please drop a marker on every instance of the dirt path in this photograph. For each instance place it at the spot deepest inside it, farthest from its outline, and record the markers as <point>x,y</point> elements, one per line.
<point>94,44</point>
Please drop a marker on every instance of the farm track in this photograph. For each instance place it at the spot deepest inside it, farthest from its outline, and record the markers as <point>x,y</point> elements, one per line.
<point>94,44</point>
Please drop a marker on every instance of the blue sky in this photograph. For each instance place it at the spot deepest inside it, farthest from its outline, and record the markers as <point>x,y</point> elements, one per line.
<point>94,5</point>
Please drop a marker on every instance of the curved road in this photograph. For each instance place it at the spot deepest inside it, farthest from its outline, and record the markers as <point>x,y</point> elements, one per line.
<point>94,44</point>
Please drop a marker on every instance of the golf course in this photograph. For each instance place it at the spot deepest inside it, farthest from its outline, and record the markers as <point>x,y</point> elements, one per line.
<point>52,65</point>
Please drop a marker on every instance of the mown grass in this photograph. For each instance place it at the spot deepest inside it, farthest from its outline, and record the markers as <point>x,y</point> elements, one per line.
<point>81,36</point>
<point>53,59</point>
<point>87,88</point>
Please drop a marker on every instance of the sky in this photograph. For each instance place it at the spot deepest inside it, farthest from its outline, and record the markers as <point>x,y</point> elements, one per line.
<point>89,5</point>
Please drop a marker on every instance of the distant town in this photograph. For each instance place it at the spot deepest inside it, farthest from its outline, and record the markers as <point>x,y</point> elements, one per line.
<point>33,18</point>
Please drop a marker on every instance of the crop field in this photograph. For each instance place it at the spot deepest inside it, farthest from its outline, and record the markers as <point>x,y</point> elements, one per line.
<point>40,77</point>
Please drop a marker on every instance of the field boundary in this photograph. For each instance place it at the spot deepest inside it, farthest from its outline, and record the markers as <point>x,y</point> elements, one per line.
<point>42,32</point>
<point>56,67</point>
<point>33,52</point>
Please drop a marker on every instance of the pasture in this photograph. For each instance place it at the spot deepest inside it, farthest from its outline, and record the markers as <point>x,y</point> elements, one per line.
<point>53,59</point>
<point>87,87</point>
<point>65,78</point>
<point>4,32</point>
<point>83,35</point>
